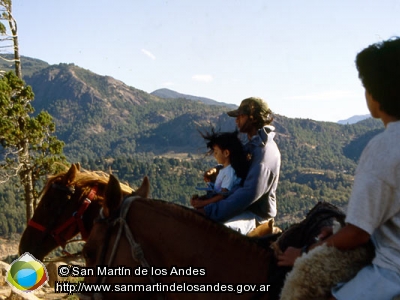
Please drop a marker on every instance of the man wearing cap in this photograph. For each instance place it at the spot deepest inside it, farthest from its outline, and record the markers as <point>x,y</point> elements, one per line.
<point>255,202</point>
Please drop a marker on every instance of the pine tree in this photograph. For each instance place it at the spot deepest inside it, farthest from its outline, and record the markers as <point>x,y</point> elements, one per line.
<point>28,148</point>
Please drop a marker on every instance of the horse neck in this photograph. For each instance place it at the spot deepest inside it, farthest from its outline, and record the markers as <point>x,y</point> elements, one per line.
<point>171,235</point>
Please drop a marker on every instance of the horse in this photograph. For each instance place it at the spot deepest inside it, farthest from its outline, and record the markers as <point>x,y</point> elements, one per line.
<point>68,204</point>
<point>153,249</point>
<point>172,247</point>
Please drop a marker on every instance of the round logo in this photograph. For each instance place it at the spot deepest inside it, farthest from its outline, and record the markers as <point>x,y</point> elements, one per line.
<point>27,273</point>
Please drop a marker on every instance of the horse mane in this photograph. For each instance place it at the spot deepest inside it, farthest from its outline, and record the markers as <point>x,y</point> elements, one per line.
<point>187,215</point>
<point>85,178</point>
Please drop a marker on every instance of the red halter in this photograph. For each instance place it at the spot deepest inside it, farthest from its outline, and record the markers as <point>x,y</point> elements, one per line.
<point>76,217</point>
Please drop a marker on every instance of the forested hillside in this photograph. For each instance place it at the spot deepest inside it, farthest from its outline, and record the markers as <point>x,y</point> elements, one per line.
<point>107,125</point>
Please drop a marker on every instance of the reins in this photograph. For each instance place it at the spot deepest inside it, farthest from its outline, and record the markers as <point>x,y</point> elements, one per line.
<point>76,217</point>
<point>136,249</point>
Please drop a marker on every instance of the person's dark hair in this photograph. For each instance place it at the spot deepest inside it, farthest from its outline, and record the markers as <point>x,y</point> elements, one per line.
<point>229,141</point>
<point>379,71</point>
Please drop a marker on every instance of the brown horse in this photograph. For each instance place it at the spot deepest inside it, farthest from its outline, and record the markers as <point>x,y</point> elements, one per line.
<point>172,251</point>
<point>69,203</point>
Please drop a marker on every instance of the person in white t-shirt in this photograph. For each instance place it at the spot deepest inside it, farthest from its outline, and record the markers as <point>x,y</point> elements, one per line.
<point>373,212</point>
<point>233,166</point>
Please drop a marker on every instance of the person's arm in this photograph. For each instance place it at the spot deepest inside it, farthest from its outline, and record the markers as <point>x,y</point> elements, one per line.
<point>347,238</point>
<point>198,203</point>
<point>234,203</point>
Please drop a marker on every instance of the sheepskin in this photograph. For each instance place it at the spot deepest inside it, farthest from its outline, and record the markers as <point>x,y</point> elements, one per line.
<point>315,273</point>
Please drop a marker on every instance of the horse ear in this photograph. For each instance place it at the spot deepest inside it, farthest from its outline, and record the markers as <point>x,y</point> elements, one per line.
<point>113,196</point>
<point>144,190</point>
<point>70,176</point>
<point>78,166</point>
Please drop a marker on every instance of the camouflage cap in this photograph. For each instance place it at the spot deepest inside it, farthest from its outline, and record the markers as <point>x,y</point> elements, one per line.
<point>252,106</point>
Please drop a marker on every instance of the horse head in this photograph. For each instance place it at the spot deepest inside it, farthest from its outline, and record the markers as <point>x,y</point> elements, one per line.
<point>68,204</point>
<point>110,210</point>
<point>104,226</point>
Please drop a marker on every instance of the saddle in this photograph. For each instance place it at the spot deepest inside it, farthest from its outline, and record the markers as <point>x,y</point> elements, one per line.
<point>323,214</point>
<point>264,229</point>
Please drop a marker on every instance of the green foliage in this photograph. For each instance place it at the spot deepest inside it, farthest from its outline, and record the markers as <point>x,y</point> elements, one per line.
<point>18,127</point>
<point>2,28</point>
<point>15,107</point>
<point>4,8</point>
<point>29,150</point>
<point>12,211</point>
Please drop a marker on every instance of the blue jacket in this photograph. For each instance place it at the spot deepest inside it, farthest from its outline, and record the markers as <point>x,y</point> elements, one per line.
<point>258,193</point>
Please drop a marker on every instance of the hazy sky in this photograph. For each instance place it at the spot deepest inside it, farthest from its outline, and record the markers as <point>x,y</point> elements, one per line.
<point>296,54</point>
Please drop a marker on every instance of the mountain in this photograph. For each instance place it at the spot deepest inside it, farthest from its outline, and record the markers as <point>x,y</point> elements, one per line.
<point>29,65</point>
<point>354,119</point>
<point>170,94</point>
<point>99,116</point>
<point>108,125</point>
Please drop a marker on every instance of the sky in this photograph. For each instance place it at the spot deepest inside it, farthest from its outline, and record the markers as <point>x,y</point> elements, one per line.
<point>297,55</point>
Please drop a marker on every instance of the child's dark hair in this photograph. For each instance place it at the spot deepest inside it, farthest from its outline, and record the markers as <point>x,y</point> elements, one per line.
<point>229,141</point>
<point>379,70</point>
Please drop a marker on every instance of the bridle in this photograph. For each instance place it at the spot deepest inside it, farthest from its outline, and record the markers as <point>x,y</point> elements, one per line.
<point>136,249</point>
<point>76,217</point>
